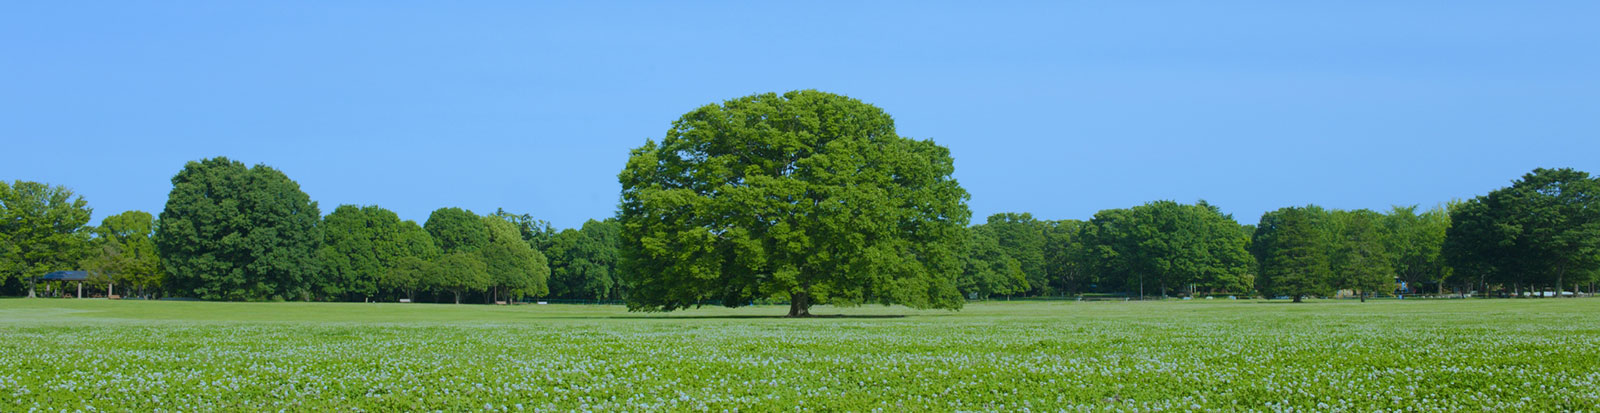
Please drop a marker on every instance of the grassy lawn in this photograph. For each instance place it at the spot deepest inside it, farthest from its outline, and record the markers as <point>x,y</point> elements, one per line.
<point>1323,355</point>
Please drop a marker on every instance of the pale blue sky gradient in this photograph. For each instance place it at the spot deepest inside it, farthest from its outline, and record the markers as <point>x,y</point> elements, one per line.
<point>1056,108</point>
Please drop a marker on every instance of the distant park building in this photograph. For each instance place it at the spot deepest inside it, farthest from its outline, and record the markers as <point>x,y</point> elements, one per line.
<point>78,276</point>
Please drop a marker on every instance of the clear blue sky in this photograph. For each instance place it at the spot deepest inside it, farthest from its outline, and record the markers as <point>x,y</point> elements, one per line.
<point>1058,108</point>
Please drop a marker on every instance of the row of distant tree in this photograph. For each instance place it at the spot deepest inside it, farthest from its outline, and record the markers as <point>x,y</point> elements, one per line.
<point>231,232</point>
<point>806,197</point>
<point>1540,234</point>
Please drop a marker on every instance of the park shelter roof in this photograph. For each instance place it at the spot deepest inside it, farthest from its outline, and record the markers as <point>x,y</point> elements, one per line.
<point>66,276</point>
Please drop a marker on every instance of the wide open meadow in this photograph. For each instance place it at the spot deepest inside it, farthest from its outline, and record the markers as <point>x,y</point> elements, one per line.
<point>1536,354</point>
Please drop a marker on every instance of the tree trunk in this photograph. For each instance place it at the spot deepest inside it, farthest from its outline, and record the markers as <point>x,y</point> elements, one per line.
<point>1559,274</point>
<point>458,296</point>
<point>799,304</point>
<point>1363,296</point>
<point>1297,298</point>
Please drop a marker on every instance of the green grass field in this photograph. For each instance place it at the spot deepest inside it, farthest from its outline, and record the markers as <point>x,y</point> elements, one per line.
<point>1230,355</point>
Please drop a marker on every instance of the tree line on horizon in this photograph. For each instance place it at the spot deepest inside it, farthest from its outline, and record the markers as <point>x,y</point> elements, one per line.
<point>236,233</point>
<point>801,198</point>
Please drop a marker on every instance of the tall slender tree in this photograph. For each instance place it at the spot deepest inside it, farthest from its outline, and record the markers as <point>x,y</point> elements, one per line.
<point>1292,248</point>
<point>1360,259</point>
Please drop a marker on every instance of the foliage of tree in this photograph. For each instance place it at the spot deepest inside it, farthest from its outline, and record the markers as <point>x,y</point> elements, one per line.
<point>1542,230</point>
<point>1022,238</point>
<point>461,272</point>
<point>1415,241</point>
<point>43,228</point>
<point>1292,246</point>
<point>1066,265</point>
<point>537,232</point>
<point>1164,244</point>
<point>806,196</point>
<point>989,270</point>
<point>457,230</point>
<point>1361,261</point>
<point>583,262</point>
<point>411,273</point>
<point>515,269</point>
<point>362,245</point>
<point>125,252</point>
<point>229,232</point>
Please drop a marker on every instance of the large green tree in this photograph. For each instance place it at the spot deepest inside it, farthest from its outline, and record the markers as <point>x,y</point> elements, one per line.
<point>1161,245</point>
<point>231,232</point>
<point>1292,247</point>
<point>363,244</point>
<point>515,268</point>
<point>126,252</point>
<point>1361,260</point>
<point>411,273</point>
<point>806,196</point>
<point>43,228</point>
<point>989,270</point>
<point>1543,230</point>
<point>1414,242</point>
<point>537,232</point>
<point>583,262</point>
<point>457,230</point>
<point>460,272</point>
<point>1021,237</point>
<point>1064,256</point>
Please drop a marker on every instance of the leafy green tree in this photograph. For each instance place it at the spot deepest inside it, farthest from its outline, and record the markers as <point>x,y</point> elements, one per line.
<point>1415,242</point>
<point>1064,256</point>
<point>234,233</point>
<point>1108,248</point>
<point>583,262</point>
<point>1226,264</point>
<point>1165,244</point>
<point>461,272</point>
<point>1542,230</point>
<point>1360,260</point>
<point>806,196</point>
<point>1471,245</point>
<point>989,269</point>
<point>537,232</point>
<point>457,230</point>
<point>43,228</point>
<point>362,245</point>
<point>126,252</point>
<point>1292,247</point>
<point>411,273</point>
<point>1022,238</point>
<point>514,267</point>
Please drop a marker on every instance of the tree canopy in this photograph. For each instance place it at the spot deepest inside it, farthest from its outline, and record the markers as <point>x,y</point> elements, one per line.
<point>126,251</point>
<point>806,196</point>
<point>1292,247</point>
<point>43,228</point>
<point>229,232</point>
<point>1543,229</point>
<point>362,245</point>
<point>1165,244</point>
<point>583,262</point>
